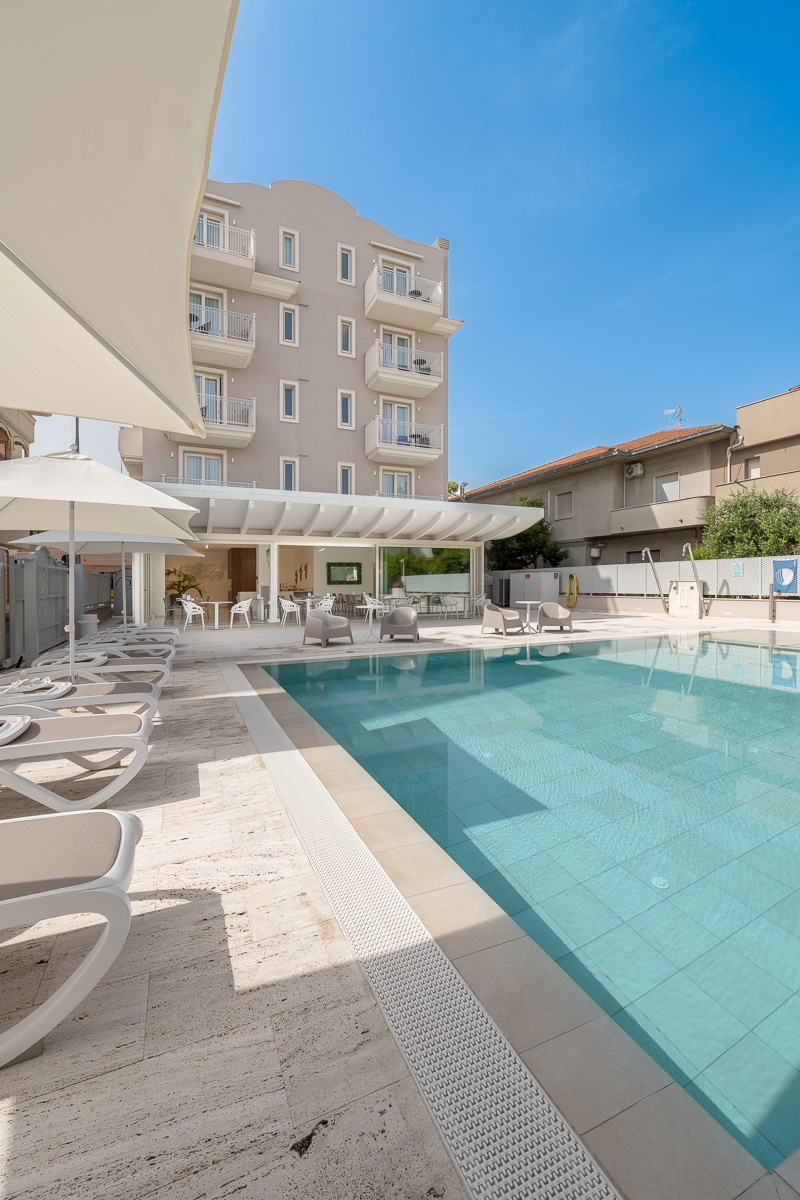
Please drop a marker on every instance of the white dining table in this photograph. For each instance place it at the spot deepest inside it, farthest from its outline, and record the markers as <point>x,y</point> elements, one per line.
<point>216,604</point>
<point>527,605</point>
<point>370,608</point>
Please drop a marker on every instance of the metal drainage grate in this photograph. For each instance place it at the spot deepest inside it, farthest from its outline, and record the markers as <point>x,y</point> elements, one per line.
<point>504,1134</point>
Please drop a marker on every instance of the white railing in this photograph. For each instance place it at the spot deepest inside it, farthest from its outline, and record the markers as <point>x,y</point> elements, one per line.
<point>206,482</point>
<point>411,287</point>
<point>409,434</point>
<point>216,322</point>
<point>408,358</point>
<point>745,577</point>
<point>416,496</point>
<point>216,235</point>
<point>227,412</point>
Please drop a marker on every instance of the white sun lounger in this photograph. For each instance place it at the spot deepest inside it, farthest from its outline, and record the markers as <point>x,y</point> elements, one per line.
<point>48,735</point>
<point>115,647</point>
<point>55,865</point>
<point>57,695</point>
<point>96,666</point>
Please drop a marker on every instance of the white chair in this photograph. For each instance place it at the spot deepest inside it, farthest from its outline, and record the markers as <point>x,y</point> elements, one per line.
<point>287,607</point>
<point>476,604</point>
<point>325,605</point>
<point>450,604</point>
<point>243,608</point>
<point>193,610</point>
<point>57,865</point>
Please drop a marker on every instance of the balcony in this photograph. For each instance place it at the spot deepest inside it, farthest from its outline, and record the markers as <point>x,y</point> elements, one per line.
<point>220,338</point>
<point>406,300</point>
<point>223,254</point>
<point>402,370</point>
<point>650,518</point>
<point>396,442</point>
<point>199,484</point>
<point>228,421</point>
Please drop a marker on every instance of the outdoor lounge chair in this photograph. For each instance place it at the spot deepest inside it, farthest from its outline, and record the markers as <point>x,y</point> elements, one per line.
<point>121,647</point>
<point>58,695</point>
<point>401,622</point>
<point>47,735</point>
<point>55,865</point>
<point>552,614</point>
<point>324,626</point>
<point>96,665</point>
<point>500,620</point>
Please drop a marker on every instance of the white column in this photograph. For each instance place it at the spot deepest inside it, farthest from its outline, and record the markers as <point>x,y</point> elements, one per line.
<point>273,582</point>
<point>157,585</point>
<point>137,588</point>
<point>478,560</point>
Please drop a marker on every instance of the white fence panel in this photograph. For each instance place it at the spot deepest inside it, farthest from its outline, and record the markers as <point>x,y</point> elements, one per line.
<point>745,577</point>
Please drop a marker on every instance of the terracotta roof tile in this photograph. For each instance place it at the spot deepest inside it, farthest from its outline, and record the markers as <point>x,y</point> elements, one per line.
<point>597,452</point>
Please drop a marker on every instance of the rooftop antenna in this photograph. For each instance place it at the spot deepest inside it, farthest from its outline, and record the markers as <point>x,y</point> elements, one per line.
<point>677,413</point>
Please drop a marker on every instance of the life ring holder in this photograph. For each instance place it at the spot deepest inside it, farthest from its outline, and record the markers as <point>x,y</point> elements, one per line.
<point>571,598</point>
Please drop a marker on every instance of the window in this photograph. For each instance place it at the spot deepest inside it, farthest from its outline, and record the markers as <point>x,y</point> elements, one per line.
<point>395,278</point>
<point>208,231</point>
<point>395,423</point>
<point>667,487</point>
<point>346,264</point>
<point>635,556</point>
<point>289,474</point>
<point>752,468</point>
<point>345,409</point>
<point>202,468</point>
<point>205,309</point>
<point>396,350</point>
<point>396,483</point>
<point>347,473</point>
<point>347,337</point>
<point>289,331</point>
<point>289,249</point>
<point>289,400</point>
<point>563,505</point>
<point>209,391</point>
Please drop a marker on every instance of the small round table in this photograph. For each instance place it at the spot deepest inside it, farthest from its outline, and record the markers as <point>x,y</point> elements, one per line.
<point>370,608</point>
<point>527,605</point>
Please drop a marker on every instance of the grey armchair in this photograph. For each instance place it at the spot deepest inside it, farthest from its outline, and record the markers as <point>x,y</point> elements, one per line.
<point>551,614</point>
<point>500,620</point>
<point>401,622</point>
<point>324,626</point>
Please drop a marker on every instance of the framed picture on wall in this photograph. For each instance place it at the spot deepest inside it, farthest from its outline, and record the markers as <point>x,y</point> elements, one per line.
<point>339,572</point>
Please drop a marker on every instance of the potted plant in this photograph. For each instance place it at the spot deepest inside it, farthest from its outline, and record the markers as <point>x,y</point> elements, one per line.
<point>179,582</point>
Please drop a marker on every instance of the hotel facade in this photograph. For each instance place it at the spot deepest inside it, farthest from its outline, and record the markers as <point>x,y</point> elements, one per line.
<point>320,347</point>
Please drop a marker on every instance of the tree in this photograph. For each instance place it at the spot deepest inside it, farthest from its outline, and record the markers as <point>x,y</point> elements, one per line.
<point>452,487</point>
<point>525,549</point>
<point>752,524</point>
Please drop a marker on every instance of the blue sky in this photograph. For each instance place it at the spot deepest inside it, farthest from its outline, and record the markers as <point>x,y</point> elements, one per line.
<point>620,183</point>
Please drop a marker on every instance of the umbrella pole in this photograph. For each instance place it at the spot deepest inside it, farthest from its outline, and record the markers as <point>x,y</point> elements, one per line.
<point>124,591</point>
<point>71,626</point>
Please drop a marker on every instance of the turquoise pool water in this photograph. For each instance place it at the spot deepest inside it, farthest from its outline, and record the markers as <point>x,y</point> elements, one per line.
<point>635,806</point>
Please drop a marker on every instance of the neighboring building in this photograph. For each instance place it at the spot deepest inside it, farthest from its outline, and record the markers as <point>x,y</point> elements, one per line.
<point>320,345</point>
<point>768,455</point>
<point>16,432</point>
<point>606,504</point>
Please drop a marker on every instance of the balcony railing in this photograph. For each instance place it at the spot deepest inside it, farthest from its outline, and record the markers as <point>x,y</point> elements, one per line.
<point>225,412</point>
<point>409,434</point>
<point>195,482</point>
<point>407,358</point>
<point>405,496</point>
<point>216,235</point>
<point>412,287</point>
<point>216,322</point>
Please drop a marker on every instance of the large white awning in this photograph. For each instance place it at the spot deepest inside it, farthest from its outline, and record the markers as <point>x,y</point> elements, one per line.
<point>239,513</point>
<point>108,112</point>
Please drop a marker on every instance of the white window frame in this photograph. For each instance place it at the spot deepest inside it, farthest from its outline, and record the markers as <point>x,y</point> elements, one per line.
<point>340,246</point>
<point>346,466</point>
<point>756,458</point>
<point>217,214</point>
<point>293,308</point>
<point>399,471</point>
<point>215,293</point>
<point>391,260</point>
<point>289,383</point>
<point>289,458</point>
<point>340,323</point>
<point>200,452</point>
<point>295,234</point>
<point>345,392</point>
<point>666,475</point>
<point>565,516</point>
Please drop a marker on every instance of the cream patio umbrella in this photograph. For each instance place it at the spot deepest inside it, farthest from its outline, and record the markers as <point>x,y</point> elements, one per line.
<point>39,492</point>
<point>108,111</point>
<point>102,543</point>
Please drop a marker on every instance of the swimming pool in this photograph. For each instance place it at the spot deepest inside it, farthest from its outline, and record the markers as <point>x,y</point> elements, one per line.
<point>635,806</point>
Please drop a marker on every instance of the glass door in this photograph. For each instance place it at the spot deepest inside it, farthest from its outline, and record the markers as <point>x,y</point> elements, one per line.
<point>396,350</point>
<point>204,313</point>
<point>202,468</point>
<point>208,395</point>
<point>208,231</point>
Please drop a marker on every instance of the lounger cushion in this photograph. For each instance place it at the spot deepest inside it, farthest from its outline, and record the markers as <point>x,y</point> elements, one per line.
<point>56,729</point>
<point>39,856</point>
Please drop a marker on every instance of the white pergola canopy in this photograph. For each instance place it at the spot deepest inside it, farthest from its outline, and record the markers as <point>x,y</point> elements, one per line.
<point>252,513</point>
<point>108,110</point>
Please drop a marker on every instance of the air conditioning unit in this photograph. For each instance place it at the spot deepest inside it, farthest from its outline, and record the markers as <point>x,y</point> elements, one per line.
<point>634,470</point>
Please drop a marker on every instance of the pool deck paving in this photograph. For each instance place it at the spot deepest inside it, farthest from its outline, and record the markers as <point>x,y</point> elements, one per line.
<point>236,1047</point>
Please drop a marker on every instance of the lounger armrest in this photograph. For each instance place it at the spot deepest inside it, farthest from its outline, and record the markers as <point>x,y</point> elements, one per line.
<point>28,710</point>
